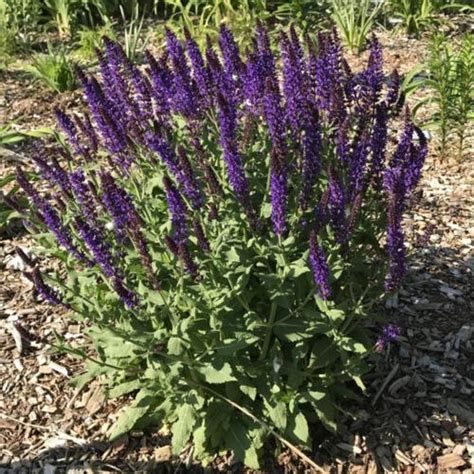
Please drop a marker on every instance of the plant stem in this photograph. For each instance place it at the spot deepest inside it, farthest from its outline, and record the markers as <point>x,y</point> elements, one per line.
<point>282,440</point>
<point>268,335</point>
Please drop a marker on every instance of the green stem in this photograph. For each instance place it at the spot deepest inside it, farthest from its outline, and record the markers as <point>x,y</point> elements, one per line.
<point>268,335</point>
<point>264,425</point>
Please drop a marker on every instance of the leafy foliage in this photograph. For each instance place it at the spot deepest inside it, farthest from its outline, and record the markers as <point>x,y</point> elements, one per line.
<point>355,20</point>
<point>54,69</point>
<point>450,82</point>
<point>221,221</point>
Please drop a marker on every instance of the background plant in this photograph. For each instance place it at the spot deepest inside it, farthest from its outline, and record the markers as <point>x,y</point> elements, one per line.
<point>223,223</point>
<point>355,20</point>
<point>54,69</point>
<point>450,83</point>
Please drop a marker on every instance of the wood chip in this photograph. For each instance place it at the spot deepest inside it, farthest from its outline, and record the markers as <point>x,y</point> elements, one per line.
<point>450,461</point>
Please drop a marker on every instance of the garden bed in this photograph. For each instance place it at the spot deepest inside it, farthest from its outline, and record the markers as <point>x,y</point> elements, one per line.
<point>417,414</point>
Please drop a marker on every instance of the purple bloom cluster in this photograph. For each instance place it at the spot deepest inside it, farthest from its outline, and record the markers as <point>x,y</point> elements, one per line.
<point>319,267</point>
<point>390,333</point>
<point>322,132</point>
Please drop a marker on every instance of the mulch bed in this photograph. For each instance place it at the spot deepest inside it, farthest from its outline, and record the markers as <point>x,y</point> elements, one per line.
<point>417,414</point>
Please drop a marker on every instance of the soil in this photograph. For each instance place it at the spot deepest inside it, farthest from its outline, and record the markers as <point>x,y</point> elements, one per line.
<point>416,416</point>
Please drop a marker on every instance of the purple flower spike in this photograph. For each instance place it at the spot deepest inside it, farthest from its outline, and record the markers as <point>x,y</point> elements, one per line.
<point>83,194</point>
<point>46,292</point>
<point>94,240</point>
<point>200,72</point>
<point>337,207</point>
<point>395,187</point>
<point>390,333</point>
<point>69,128</point>
<point>293,86</point>
<point>312,146</point>
<point>279,167</point>
<point>378,143</point>
<point>228,139</point>
<point>188,262</point>
<point>49,216</point>
<point>233,65</point>
<point>184,99</point>
<point>177,210</point>
<point>200,236</point>
<point>319,267</point>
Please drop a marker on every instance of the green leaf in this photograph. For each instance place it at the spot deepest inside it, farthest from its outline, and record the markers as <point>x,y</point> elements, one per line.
<point>182,428</point>
<point>352,345</point>
<point>299,428</point>
<point>132,414</point>
<point>215,373</point>
<point>325,410</point>
<point>277,414</point>
<point>125,388</point>
<point>238,440</point>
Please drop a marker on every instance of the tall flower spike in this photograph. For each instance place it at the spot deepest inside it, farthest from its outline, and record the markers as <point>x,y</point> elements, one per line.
<point>49,216</point>
<point>233,65</point>
<point>95,241</point>
<point>279,166</point>
<point>228,138</point>
<point>395,187</point>
<point>188,262</point>
<point>337,207</point>
<point>184,99</point>
<point>47,293</point>
<point>312,146</point>
<point>177,210</point>
<point>293,86</point>
<point>378,143</point>
<point>201,238</point>
<point>70,129</point>
<point>319,267</point>
<point>200,72</point>
<point>83,194</point>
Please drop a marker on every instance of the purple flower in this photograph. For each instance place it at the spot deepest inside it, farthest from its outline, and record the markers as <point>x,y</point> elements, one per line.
<point>46,292</point>
<point>127,296</point>
<point>378,142</point>
<point>395,187</point>
<point>184,99</point>
<point>200,236</point>
<point>337,207</point>
<point>161,84</point>
<point>188,179</point>
<point>49,216</point>
<point>233,65</point>
<point>319,267</point>
<point>293,86</point>
<point>374,75</point>
<point>119,205</point>
<point>228,138</point>
<point>415,161</point>
<point>358,162</point>
<point>279,167</point>
<point>177,210</point>
<point>200,72</point>
<point>312,146</point>
<point>390,333</point>
<point>83,194</point>
<point>189,264</point>
<point>88,130</point>
<point>395,98</point>
<point>95,241</point>
<point>70,130</point>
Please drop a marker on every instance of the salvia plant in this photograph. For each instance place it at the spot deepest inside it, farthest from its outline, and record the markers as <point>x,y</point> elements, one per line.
<point>227,224</point>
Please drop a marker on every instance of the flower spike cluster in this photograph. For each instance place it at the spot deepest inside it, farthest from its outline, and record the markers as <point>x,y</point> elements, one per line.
<point>286,140</point>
